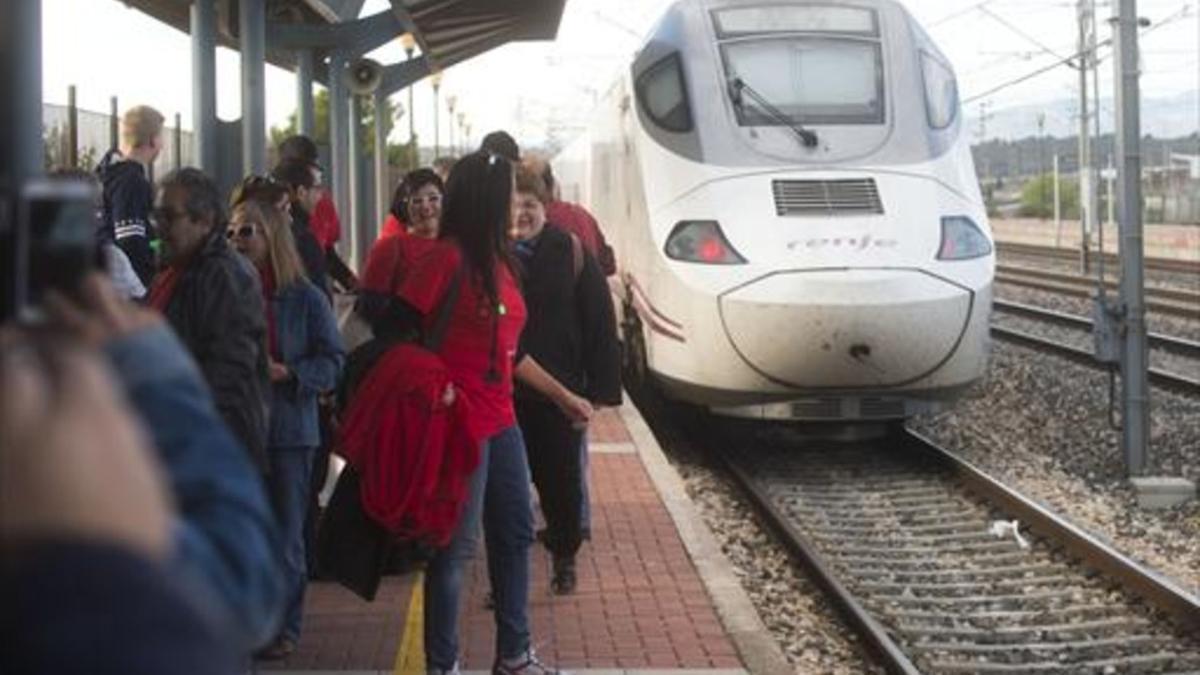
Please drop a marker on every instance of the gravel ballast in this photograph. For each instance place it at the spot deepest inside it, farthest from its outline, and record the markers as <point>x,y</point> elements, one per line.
<point>1040,424</point>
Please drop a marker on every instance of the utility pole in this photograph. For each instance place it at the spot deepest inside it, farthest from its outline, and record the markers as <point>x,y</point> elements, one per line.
<point>984,114</point>
<point>1041,177</point>
<point>1135,418</point>
<point>1087,213</point>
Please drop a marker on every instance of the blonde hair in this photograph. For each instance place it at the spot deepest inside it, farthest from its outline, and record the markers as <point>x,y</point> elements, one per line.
<point>140,126</point>
<point>281,246</point>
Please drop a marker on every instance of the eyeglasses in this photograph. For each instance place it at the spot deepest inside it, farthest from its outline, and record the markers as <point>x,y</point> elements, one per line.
<point>421,201</point>
<point>241,231</point>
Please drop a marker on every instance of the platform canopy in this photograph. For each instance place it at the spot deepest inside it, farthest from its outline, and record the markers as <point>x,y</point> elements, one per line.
<point>448,31</point>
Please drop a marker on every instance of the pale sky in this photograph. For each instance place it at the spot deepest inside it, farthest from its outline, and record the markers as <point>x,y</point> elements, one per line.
<point>106,49</point>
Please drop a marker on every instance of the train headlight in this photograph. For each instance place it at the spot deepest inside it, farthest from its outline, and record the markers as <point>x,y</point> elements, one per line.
<point>962,239</point>
<point>701,241</point>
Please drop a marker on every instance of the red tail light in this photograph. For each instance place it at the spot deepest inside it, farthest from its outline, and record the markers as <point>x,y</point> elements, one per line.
<point>701,241</point>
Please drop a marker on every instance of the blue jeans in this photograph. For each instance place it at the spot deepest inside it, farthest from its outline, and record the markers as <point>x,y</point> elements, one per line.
<point>500,495</point>
<point>585,509</point>
<point>291,472</point>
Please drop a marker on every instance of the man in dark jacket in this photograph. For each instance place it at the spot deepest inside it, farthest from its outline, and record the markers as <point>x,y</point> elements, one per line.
<point>322,217</point>
<point>128,195</point>
<point>212,298</point>
<point>301,182</point>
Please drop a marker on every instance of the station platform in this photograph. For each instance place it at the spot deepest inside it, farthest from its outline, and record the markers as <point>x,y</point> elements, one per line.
<point>654,593</point>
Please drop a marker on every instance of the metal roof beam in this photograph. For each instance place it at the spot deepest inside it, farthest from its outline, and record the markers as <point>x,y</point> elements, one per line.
<point>400,75</point>
<point>353,38</point>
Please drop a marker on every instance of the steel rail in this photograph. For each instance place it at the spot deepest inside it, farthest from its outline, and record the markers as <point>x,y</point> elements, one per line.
<point>1111,259</point>
<point>1153,588</point>
<point>1181,295</point>
<point>1080,289</point>
<point>1161,378</point>
<point>1167,343</point>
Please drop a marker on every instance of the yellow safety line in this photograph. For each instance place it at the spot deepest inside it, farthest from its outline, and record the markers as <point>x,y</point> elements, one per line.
<point>410,657</point>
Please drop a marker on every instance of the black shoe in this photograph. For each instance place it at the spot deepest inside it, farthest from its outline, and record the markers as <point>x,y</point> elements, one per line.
<point>564,580</point>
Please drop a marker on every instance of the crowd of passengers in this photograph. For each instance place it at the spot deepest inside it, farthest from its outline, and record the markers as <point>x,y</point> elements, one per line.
<point>166,428</point>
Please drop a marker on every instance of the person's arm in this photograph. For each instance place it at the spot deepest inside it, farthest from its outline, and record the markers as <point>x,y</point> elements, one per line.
<point>601,351</point>
<point>376,301</point>
<point>531,374</point>
<point>87,607</point>
<point>604,253</point>
<point>131,201</point>
<point>317,370</point>
<point>226,538</point>
<point>340,271</point>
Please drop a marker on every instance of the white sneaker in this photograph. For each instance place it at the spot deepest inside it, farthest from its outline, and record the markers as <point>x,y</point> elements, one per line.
<point>526,664</point>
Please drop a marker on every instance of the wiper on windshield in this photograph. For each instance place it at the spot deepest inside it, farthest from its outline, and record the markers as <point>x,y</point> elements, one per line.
<point>737,85</point>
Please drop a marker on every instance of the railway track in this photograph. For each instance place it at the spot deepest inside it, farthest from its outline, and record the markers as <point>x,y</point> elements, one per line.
<point>1168,380</point>
<point>1172,301</point>
<point>898,533</point>
<point>1110,259</point>
<point>1167,343</point>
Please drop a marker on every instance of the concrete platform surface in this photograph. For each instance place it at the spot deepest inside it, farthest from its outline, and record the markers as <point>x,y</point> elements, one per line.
<point>647,602</point>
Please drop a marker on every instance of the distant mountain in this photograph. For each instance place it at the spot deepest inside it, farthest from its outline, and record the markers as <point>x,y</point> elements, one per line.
<point>1163,117</point>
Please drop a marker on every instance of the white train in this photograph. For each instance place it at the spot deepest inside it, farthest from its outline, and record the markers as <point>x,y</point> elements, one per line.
<point>795,211</point>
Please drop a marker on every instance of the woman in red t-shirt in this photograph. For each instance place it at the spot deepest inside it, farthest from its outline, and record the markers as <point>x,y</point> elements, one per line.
<point>479,348</point>
<point>418,202</point>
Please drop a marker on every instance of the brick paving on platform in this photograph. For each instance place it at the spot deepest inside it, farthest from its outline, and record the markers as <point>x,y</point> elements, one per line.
<point>639,604</point>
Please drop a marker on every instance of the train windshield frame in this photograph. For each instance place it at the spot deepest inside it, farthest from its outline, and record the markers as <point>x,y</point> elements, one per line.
<point>833,56</point>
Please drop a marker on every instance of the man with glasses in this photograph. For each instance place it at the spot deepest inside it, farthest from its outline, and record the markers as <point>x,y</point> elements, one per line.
<point>212,297</point>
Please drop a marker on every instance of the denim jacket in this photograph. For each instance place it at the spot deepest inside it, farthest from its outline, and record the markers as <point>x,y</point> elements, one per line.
<point>308,343</point>
<point>226,538</point>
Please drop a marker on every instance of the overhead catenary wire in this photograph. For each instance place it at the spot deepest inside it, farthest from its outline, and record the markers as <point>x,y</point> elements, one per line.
<point>1181,13</point>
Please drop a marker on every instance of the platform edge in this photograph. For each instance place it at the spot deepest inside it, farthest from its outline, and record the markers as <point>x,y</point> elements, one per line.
<point>758,650</point>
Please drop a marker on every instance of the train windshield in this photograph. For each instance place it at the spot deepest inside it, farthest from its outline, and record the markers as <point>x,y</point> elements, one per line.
<point>815,64</point>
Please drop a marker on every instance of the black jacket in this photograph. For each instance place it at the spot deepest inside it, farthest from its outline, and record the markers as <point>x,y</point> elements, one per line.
<point>217,310</point>
<point>128,200</point>
<point>571,328</point>
<point>311,255</point>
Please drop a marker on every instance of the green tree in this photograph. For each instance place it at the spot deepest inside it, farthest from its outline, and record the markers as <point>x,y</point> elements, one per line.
<point>321,123</point>
<point>1037,197</point>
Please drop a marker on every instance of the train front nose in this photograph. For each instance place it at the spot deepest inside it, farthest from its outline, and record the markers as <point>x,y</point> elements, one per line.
<point>847,328</point>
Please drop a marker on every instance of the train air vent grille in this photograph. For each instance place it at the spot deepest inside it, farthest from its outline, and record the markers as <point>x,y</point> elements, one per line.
<point>817,409</point>
<point>826,197</point>
<point>877,408</point>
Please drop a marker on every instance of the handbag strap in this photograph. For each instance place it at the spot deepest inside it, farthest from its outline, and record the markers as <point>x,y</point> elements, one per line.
<point>445,310</point>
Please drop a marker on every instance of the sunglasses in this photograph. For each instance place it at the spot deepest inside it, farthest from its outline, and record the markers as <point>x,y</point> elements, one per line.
<point>241,231</point>
<point>255,181</point>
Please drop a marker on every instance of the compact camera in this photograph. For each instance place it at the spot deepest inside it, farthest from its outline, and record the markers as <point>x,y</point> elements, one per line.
<point>51,244</point>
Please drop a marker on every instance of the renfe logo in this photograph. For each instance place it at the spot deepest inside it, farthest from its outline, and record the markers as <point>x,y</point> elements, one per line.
<point>850,243</point>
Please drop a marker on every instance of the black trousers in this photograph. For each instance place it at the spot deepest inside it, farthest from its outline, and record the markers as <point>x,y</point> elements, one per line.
<point>553,448</point>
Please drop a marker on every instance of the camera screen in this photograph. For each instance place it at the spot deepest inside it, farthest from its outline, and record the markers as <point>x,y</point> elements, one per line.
<point>60,226</point>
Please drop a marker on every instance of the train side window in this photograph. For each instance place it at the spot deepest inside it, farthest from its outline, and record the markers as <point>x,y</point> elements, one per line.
<point>941,92</point>
<point>662,93</point>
